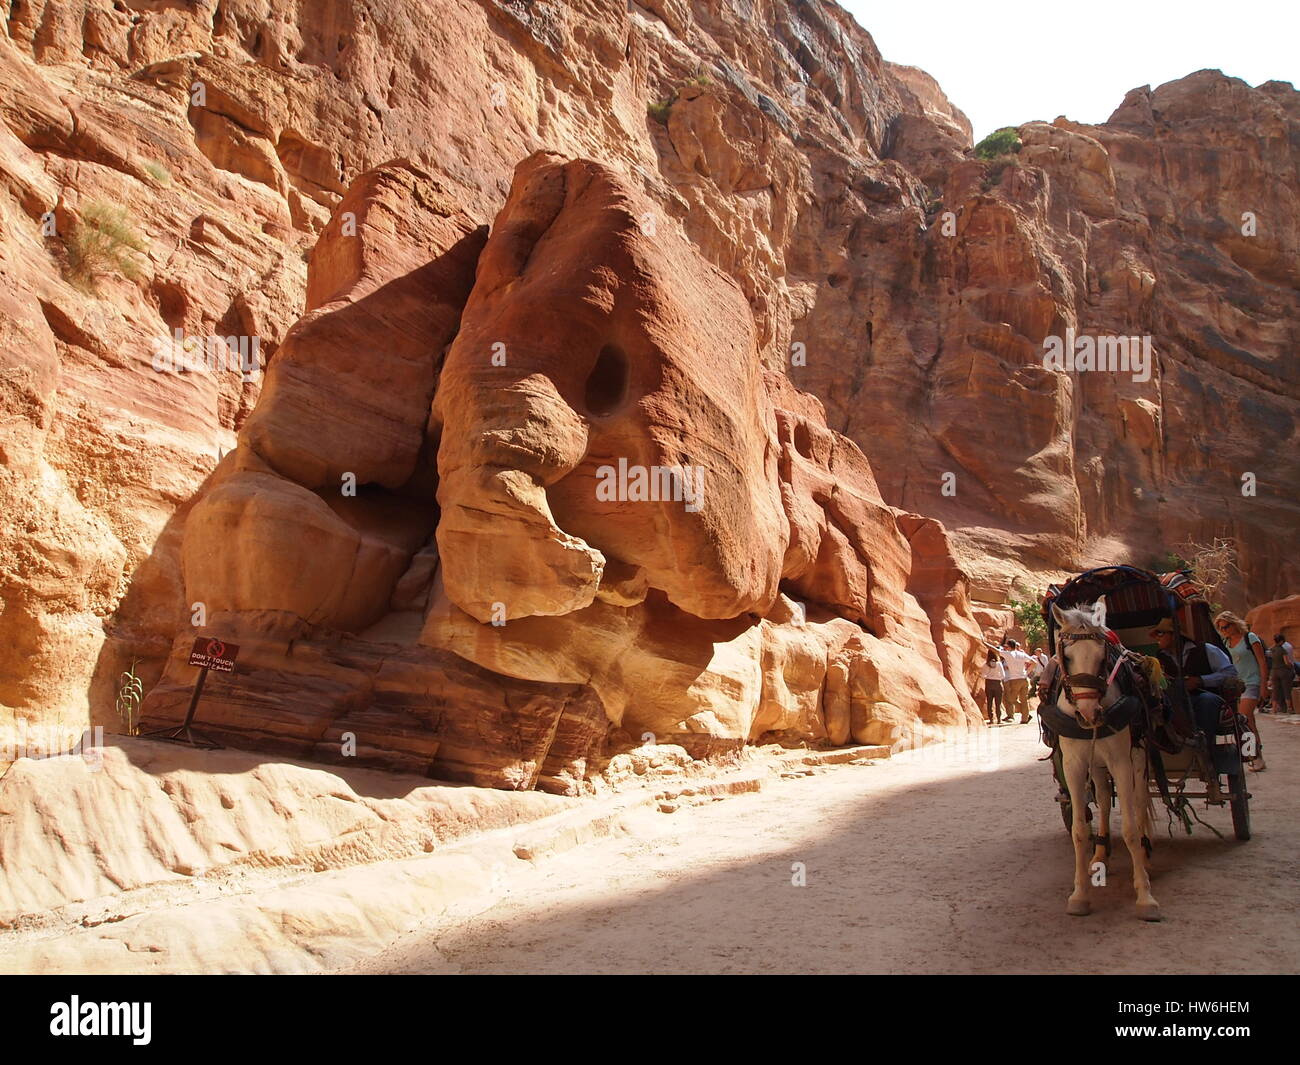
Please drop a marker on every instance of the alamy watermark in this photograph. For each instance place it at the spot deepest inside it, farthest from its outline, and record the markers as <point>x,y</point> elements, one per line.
<point>179,354</point>
<point>77,1018</point>
<point>1107,354</point>
<point>976,748</point>
<point>40,743</point>
<point>652,484</point>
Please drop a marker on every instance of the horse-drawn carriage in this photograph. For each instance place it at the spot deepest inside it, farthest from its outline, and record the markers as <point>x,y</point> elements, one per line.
<point>1115,696</point>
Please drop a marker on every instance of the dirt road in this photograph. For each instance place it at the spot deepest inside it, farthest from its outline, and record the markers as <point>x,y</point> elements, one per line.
<point>948,860</point>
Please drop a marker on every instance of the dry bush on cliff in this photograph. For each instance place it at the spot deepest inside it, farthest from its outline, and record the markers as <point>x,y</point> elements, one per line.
<point>1212,564</point>
<point>102,241</point>
<point>660,109</point>
<point>159,173</point>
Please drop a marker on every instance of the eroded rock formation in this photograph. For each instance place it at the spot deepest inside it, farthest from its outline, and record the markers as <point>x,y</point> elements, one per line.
<point>707,608</point>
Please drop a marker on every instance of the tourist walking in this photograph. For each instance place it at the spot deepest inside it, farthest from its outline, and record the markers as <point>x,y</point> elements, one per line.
<point>1036,669</point>
<point>1015,689</point>
<point>1247,652</point>
<point>1281,674</point>
<point>994,674</point>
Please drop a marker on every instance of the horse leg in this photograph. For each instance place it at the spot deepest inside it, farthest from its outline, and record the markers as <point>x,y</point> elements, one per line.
<point>1129,770</point>
<point>1101,783</point>
<point>1074,763</point>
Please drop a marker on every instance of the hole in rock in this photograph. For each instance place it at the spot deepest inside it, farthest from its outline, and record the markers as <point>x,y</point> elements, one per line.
<point>607,382</point>
<point>803,440</point>
<point>172,304</point>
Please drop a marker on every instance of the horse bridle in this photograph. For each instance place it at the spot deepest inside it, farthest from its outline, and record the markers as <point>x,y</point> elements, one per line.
<point>1092,681</point>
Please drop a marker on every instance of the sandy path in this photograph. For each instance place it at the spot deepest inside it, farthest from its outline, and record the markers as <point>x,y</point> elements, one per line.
<point>952,862</point>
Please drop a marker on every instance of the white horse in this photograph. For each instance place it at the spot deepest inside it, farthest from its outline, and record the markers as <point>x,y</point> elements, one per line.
<point>1085,692</point>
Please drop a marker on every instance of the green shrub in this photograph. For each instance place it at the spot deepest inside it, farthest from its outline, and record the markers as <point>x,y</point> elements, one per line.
<point>659,109</point>
<point>102,241</point>
<point>1005,141</point>
<point>1029,616</point>
<point>1168,562</point>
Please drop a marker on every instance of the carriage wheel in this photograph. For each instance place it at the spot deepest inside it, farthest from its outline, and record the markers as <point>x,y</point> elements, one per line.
<point>1240,805</point>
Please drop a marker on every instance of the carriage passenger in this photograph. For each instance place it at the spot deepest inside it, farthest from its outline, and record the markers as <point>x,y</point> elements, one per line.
<point>1205,670</point>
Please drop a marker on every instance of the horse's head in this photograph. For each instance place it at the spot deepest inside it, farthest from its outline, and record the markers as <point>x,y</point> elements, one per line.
<point>1081,643</point>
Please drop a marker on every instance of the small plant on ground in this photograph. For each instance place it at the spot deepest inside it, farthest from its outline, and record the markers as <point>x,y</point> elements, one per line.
<point>998,149</point>
<point>103,240</point>
<point>129,693</point>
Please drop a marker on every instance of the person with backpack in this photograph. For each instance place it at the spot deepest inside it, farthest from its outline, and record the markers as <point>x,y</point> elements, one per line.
<point>1281,673</point>
<point>1247,651</point>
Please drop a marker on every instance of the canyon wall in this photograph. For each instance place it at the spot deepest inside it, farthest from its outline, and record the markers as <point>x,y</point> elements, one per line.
<point>487,249</point>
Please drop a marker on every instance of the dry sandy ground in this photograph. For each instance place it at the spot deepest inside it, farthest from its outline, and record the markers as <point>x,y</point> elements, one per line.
<point>949,860</point>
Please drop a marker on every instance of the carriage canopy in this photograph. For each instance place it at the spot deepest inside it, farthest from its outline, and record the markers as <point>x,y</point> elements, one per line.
<point>1137,600</point>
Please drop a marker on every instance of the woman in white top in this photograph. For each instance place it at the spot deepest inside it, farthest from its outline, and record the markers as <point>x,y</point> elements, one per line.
<point>994,673</point>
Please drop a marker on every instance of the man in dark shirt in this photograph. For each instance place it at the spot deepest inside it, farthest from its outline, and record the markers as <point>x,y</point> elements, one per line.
<point>1205,668</point>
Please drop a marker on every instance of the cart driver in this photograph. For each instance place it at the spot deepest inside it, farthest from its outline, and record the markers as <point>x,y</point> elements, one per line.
<point>1204,669</point>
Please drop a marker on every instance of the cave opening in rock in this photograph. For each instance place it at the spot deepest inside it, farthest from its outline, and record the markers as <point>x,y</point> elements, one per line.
<point>607,383</point>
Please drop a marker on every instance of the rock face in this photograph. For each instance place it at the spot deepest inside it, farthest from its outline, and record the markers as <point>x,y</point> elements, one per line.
<point>489,251</point>
<point>1281,615</point>
<point>1151,225</point>
<point>622,350</point>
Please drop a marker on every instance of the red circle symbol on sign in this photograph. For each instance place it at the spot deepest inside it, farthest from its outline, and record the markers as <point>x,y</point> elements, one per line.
<point>216,648</point>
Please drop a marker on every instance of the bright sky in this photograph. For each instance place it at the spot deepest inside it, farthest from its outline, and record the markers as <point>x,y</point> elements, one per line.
<point>1020,60</point>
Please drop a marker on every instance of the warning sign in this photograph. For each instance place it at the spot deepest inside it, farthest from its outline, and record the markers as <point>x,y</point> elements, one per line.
<point>209,652</point>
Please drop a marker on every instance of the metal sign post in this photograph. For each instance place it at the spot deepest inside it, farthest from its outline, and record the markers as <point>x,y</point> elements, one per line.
<point>207,653</point>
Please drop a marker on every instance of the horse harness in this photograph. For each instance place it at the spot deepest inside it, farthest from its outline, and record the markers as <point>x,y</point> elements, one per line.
<point>1111,719</point>
<point>1130,710</point>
